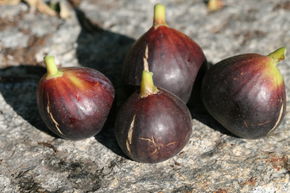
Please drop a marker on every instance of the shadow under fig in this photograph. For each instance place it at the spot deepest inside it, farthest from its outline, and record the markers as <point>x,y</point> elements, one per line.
<point>197,108</point>
<point>104,51</point>
<point>18,87</point>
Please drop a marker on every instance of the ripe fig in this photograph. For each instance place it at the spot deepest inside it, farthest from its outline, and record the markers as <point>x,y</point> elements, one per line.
<point>174,58</point>
<point>74,102</point>
<point>153,124</point>
<point>246,93</point>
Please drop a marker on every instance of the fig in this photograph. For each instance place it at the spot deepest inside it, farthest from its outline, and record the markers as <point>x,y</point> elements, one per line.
<point>246,93</point>
<point>74,102</point>
<point>152,125</point>
<point>174,58</point>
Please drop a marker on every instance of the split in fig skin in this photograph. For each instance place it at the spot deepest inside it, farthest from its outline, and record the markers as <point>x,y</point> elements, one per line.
<point>174,58</point>
<point>152,125</point>
<point>74,102</point>
<point>246,93</point>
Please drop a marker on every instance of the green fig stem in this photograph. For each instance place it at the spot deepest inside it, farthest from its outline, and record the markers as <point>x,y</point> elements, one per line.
<point>52,71</point>
<point>147,86</point>
<point>159,15</point>
<point>278,55</point>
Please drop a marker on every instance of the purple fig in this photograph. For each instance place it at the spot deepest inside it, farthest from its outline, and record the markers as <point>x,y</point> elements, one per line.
<point>174,58</point>
<point>246,93</point>
<point>74,102</point>
<point>153,124</point>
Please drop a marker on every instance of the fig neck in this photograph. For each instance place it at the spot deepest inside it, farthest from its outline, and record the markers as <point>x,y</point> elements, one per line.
<point>276,56</point>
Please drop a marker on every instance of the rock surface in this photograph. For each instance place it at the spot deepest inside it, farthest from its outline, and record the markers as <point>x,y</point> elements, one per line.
<point>98,35</point>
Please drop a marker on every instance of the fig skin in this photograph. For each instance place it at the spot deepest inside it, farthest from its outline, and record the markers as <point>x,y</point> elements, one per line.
<point>174,58</point>
<point>246,94</point>
<point>154,126</point>
<point>75,104</point>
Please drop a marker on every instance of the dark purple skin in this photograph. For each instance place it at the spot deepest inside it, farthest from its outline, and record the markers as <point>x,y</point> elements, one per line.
<point>173,58</point>
<point>154,128</point>
<point>75,108</point>
<point>242,94</point>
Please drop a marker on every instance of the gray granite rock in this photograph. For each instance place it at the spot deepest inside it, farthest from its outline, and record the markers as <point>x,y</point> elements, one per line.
<point>27,36</point>
<point>98,35</point>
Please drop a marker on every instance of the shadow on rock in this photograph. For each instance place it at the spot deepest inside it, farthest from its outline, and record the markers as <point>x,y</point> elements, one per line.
<point>18,87</point>
<point>196,107</point>
<point>104,51</point>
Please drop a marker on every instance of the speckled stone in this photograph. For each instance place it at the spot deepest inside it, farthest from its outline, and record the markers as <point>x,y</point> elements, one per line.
<point>98,35</point>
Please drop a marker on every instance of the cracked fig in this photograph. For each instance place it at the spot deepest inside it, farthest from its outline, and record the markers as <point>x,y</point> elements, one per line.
<point>152,125</point>
<point>174,58</point>
<point>74,102</point>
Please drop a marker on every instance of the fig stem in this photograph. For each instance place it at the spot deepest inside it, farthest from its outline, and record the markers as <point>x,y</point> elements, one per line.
<point>278,55</point>
<point>51,68</point>
<point>159,15</point>
<point>147,86</point>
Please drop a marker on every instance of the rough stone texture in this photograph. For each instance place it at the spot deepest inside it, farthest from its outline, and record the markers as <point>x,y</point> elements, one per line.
<point>98,36</point>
